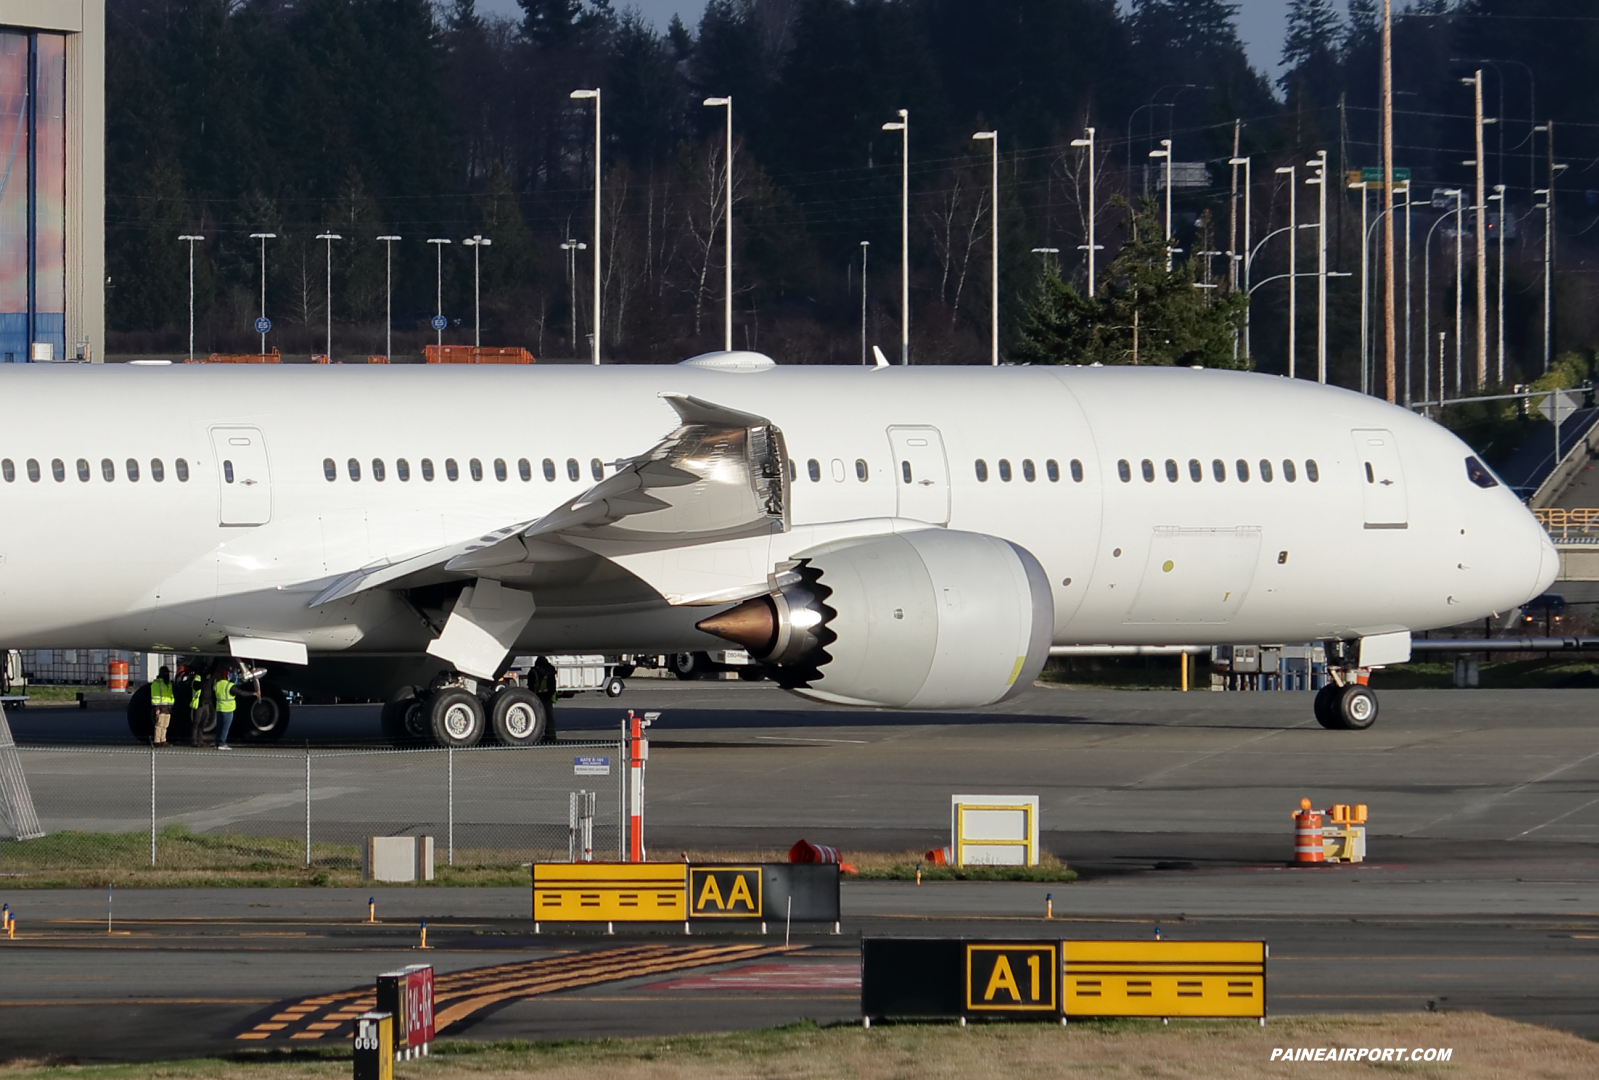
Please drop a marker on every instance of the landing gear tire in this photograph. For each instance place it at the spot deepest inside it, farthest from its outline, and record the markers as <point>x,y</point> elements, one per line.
<point>261,719</point>
<point>614,686</point>
<point>405,719</point>
<point>1326,706</point>
<point>518,717</point>
<point>456,719</point>
<point>690,665</point>
<point>140,723</point>
<point>1357,708</point>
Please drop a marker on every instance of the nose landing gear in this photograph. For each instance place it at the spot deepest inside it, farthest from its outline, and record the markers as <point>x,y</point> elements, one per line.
<point>1350,707</point>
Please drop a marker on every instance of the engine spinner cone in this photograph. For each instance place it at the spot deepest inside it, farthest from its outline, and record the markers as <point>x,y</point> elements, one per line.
<point>752,624</point>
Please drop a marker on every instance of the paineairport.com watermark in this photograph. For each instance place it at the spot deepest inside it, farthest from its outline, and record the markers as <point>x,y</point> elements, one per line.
<point>1371,1053</point>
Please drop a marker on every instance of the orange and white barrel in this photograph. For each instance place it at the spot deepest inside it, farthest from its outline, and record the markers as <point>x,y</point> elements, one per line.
<point>117,676</point>
<point>1307,835</point>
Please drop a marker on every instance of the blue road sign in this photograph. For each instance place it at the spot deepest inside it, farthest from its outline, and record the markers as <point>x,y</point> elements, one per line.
<point>263,325</point>
<point>440,322</point>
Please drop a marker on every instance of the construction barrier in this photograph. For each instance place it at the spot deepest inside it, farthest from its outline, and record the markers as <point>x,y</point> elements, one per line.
<point>955,978</point>
<point>1307,836</point>
<point>474,354</point>
<point>117,676</point>
<point>273,357</point>
<point>689,893</point>
<point>1165,978</point>
<point>1343,833</point>
<point>407,996</point>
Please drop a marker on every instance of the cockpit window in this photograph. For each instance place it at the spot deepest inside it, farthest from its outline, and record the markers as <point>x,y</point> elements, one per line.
<point>1478,473</point>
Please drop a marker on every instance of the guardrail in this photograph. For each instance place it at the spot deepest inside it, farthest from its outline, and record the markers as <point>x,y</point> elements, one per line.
<point>1561,522</point>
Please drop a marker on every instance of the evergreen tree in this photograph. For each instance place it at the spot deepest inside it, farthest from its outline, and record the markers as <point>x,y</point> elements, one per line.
<point>1363,20</point>
<point>1312,31</point>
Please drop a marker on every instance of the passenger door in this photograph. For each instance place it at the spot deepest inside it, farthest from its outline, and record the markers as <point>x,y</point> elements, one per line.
<point>921,474</point>
<point>1382,479</point>
<point>242,475</point>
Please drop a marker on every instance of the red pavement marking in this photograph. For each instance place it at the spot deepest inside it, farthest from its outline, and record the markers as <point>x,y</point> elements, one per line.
<point>791,976</point>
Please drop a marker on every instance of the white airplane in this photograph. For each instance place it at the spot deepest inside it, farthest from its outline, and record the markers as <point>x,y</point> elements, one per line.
<point>888,536</point>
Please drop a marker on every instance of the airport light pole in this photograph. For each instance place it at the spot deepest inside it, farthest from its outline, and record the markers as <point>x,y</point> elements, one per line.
<point>388,280</point>
<point>1460,286</point>
<point>1234,257</point>
<point>1365,299</point>
<point>903,126</point>
<point>865,244</point>
<point>330,237</point>
<point>191,238</point>
<point>584,95</point>
<point>263,237</point>
<point>477,244</point>
<point>1481,207</point>
<point>1319,163</point>
<point>1548,208</point>
<point>727,284</point>
<point>1165,152</point>
<point>572,247</point>
<point>1088,141</point>
<point>993,299</point>
<point>1499,346</point>
<point>438,285</point>
<point>1426,308</point>
<point>1293,265</point>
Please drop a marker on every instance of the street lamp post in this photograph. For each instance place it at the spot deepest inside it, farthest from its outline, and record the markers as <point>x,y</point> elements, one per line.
<point>388,278</point>
<point>191,238</point>
<point>1365,270</point>
<point>1460,285</point>
<point>1293,266</point>
<point>330,237</point>
<point>571,248</point>
<point>1165,152</point>
<point>438,287</point>
<point>1244,259</point>
<point>1499,346</point>
<point>1481,207</point>
<point>583,95</point>
<point>1426,309</point>
<point>1548,208</point>
<point>477,244</point>
<point>903,126</point>
<point>993,247</point>
<point>1091,247</point>
<point>1319,163</point>
<point>864,245</point>
<point>263,237</point>
<point>727,284</point>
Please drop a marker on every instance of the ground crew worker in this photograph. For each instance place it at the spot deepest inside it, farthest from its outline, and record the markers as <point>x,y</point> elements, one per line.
<point>162,698</point>
<point>544,688</point>
<point>223,690</point>
<point>200,707</point>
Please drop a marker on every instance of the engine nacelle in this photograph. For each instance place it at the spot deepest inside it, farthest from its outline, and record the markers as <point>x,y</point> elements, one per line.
<point>928,619</point>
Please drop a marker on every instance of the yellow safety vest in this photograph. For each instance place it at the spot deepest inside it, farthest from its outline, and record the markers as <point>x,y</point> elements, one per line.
<point>161,693</point>
<point>224,693</point>
<point>194,686</point>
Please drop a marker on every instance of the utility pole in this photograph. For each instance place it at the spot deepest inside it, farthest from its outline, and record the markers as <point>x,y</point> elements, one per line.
<point>1548,207</point>
<point>1247,250</point>
<point>1475,82</point>
<point>1388,192</point>
<point>1232,226</point>
<point>1320,180</point>
<point>1293,265</point>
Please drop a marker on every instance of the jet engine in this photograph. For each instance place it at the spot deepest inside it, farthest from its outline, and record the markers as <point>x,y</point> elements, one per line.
<point>927,619</point>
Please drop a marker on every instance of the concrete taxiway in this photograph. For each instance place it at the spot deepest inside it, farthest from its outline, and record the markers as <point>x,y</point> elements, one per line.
<point>1482,889</point>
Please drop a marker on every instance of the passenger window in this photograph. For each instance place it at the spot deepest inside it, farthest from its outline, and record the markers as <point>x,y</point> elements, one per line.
<point>1242,469</point>
<point>1371,477</point>
<point>524,468</point>
<point>58,469</point>
<point>572,471</point>
<point>1148,468</point>
<point>157,472</point>
<point>1171,470</point>
<point>1312,473</point>
<point>330,470</point>
<point>1476,472</point>
<point>452,471</point>
<point>905,471</point>
<point>8,470</point>
<point>982,471</point>
<point>1288,471</point>
<point>793,471</point>
<point>499,469</point>
<point>1004,469</point>
<point>1265,471</point>
<point>1028,472</point>
<point>354,468</point>
<point>108,470</point>
<point>402,469</point>
<point>33,470</point>
<point>83,470</point>
<point>1077,471</point>
<point>549,470</point>
<point>181,467</point>
<point>597,469</point>
<point>814,469</point>
<point>477,468</point>
<point>378,472</point>
<point>1196,471</point>
<point>1124,470</point>
<point>1052,470</point>
<point>861,472</point>
<point>227,471</point>
<point>427,469</point>
<point>1218,469</point>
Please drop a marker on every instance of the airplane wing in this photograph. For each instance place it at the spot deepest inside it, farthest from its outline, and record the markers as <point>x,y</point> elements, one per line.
<point>721,475</point>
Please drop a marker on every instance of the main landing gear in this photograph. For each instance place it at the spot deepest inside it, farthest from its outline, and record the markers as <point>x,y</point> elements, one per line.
<point>459,712</point>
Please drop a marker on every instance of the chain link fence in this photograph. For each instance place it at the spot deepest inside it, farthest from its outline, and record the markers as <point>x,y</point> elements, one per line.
<point>271,809</point>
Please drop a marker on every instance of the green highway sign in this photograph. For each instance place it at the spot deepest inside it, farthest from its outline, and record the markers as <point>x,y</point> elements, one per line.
<point>1374,176</point>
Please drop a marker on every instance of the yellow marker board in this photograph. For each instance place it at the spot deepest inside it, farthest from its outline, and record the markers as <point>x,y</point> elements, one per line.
<point>1165,978</point>
<point>609,892</point>
<point>725,892</point>
<point>1019,978</point>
